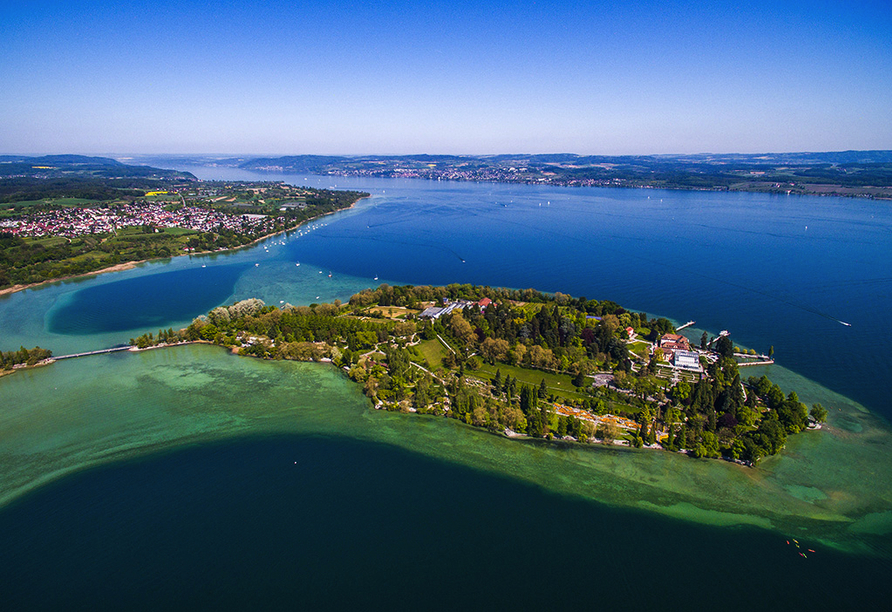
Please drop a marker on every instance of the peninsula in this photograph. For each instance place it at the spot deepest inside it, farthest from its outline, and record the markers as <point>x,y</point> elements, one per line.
<point>524,363</point>
<point>61,218</point>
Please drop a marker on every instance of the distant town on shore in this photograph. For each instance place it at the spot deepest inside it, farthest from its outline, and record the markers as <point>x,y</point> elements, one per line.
<point>68,215</point>
<point>865,174</point>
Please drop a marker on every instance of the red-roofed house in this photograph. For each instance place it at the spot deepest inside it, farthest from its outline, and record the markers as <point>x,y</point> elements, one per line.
<point>670,343</point>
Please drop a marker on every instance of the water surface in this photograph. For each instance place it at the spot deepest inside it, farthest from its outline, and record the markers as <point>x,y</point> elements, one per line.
<point>175,468</point>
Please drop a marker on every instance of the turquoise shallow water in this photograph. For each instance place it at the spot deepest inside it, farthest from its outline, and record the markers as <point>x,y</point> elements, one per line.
<point>167,398</point>
<point>73,437</point>
<point>191,477</point>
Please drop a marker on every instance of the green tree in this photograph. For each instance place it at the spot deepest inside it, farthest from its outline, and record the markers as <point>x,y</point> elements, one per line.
<point>422,397</point>
<point>818,413</point>
<point>681,391</point>
<point>529,400</point>
<point>208,332</point>
<point>793,414</point>
<point>724,346</point>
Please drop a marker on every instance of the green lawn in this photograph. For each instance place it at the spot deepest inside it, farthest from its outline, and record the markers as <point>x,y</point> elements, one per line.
<point>433,352</point>
<point>622,409</point>
<point>26,203</point>
<point>391,312</point>
<point>558,384</point>
<point>48,241</point>
<point>74,202</point>
<point>178,231</point>
<point>136,235</point>
<point>639,348</point>
<point>56,202</point>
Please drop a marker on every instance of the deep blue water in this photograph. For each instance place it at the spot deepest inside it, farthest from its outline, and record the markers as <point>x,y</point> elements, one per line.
<point>237,525</point>
<point>355,525</point>
<point>145,302</point>
<point>781,271</point>
<point>742,262</point>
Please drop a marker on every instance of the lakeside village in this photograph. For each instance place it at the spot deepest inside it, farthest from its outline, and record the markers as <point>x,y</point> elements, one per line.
<point>45,240</point>
<point>75,222</point>
<point>214,207</point>
<point>526,364</point>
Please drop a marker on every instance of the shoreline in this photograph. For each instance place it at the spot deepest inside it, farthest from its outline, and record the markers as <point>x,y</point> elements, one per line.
<point>129,265</point>
<point>768,191</point>
<point>632,459</point>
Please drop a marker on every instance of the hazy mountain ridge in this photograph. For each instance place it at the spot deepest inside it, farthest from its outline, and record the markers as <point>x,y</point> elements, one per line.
<point>847,173</point>
<point>80,166</point>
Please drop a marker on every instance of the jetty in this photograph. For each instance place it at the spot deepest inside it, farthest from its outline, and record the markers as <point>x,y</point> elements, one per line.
<point>99,352</point>
<point>755,363</point>
<point>688,324</point>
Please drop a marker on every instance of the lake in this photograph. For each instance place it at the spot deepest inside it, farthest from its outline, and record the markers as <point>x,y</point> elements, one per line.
<point>171,470</point>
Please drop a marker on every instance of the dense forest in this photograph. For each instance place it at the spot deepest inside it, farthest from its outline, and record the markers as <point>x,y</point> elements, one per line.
<point>523,363</point>
<point>26,189</point>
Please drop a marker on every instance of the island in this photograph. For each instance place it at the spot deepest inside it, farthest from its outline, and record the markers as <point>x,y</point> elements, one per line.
<point>526,364</point>
<point>65,216</point>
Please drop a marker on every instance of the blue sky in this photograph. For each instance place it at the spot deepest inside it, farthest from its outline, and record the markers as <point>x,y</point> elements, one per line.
<point>478,77</point>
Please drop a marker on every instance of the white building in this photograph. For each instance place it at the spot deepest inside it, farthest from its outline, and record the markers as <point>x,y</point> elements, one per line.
<point>688,360</point>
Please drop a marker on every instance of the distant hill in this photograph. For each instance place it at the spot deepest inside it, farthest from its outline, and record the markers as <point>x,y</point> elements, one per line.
<point>843,173</point>
<point>308,163</point>
<point>80,166</point>
<point>25,178</point>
